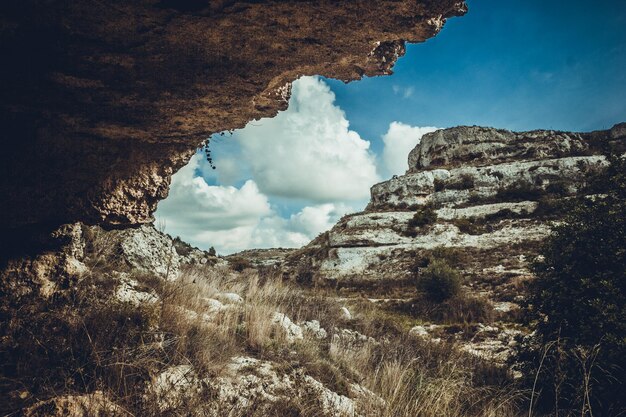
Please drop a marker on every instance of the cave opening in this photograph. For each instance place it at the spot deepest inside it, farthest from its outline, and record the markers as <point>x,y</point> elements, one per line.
<point>282,181</point>
<point>383,247</point>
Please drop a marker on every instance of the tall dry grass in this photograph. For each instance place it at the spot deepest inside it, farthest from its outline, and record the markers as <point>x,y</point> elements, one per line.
<point>117,348</point>
<point>413,378</point>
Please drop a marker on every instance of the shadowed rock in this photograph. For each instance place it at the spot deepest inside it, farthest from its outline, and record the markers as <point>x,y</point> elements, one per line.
<point>102,101</point>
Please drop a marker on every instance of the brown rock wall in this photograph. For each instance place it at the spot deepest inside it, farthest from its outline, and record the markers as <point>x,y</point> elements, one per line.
<point>102,100</point>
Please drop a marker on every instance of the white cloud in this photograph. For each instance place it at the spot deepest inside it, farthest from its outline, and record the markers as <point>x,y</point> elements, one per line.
<point>232,219</point>
<point>405,92</point>
<point>308,151</point>
<point>306,157</point>
<point>312,220</point>
<point>399,140</point>
<point>191,198</point>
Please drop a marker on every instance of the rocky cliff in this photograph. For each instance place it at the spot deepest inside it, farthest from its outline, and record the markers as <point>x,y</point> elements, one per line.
<point>103,100</point>
<point>492,194</point>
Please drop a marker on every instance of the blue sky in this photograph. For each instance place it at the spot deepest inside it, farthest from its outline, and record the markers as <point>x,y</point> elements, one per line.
<point>519,65</point>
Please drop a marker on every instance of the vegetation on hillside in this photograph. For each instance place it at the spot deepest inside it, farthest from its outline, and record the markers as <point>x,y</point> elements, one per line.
<point>86,340</point>
<point>577,360</point>
<point>424,216</point>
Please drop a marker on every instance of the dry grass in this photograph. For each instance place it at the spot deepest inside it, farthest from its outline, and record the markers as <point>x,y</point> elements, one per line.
<point>116,348</point>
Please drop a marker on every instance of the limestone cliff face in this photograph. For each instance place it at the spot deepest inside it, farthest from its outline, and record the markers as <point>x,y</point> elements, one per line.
<point>494,193</point>
<point>103,100</point>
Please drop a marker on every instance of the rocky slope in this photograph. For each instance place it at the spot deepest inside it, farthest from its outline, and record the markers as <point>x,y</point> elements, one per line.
<point>144,275</point>
<point>494,193</point>
<point>134,322</point>
<point>102,101</point>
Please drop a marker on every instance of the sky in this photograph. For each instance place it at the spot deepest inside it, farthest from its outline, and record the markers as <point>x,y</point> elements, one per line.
<point>518,65</point>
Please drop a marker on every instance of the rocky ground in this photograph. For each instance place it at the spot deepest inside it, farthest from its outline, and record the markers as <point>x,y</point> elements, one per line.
<point>135,322</point>
<point>493,195</point>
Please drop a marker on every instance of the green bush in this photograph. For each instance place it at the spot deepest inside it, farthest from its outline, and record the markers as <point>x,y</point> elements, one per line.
<point>462,309</point>
<point>557,188</point>
<point>424,216</point>
<point>518,191</point>
<point>439,184</point>
<point>182,248</point>
<point>549,207</point>
<point>465,182</point>
<point>471,226</point>
<point>439,281</point>
<point>578,304</point>
<point>239,264</point>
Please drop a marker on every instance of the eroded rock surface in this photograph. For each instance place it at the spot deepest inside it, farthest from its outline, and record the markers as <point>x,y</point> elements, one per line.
<point>143,249</point>
<point>102,101</point>
<point>494,194</point>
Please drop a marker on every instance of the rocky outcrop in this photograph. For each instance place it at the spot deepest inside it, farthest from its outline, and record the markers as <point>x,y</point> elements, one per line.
<point>491,194</point>
<point>249,384</point>
<point>77,249</point>
<point>102,101</point>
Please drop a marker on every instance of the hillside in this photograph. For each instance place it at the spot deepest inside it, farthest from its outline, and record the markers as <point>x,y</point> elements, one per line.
<point>135,322</point>
<point>494,195</point>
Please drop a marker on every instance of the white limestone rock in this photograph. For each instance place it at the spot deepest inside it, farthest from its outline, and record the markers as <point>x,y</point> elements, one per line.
<point>291,331</point>
<point>484,145</point>
<point>418,331</point>
<point>349,340</point>
<point>314,328</point>
<point>229,298</point>
<point>253,383</point>
<point>174,385</point>
<point>130,291</point>
<point>146,249</point>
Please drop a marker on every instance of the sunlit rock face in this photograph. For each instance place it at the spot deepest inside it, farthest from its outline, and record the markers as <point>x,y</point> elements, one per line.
<point>103,100</point>
<point>495,194</point>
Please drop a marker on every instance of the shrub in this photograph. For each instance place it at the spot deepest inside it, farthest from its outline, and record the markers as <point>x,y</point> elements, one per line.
<point>461,309</point>
<point>475,198</point>
<point>558,188</point>
<point>439,281</point>
<point>239,264</point>
<point>439,184</point>
<point>182,248</point>
<point>503,214</point>
<point>465,182</point>
<point>424,216</point>
<point>578,302</point>
<point>454,257</point>
<point>520,190</point>
<point>469,226</point>
<point>550,207</point>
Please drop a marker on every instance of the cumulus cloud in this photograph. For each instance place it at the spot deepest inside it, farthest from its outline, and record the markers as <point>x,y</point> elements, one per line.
<point>306,157</point>
<point>308,151</point>
<point>399,140</point>
<point>232,219</point>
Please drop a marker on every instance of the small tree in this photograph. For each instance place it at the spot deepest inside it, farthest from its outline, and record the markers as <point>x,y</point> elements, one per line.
<point>439,281</point>
<point>578,303</point>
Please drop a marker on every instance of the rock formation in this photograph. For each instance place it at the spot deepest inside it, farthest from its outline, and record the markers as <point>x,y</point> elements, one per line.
<point>138,249</point>
<point>493,194</point>
<point>103,100</point>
